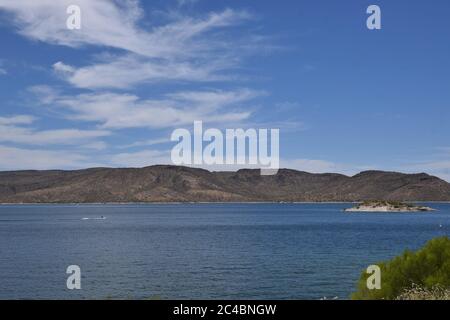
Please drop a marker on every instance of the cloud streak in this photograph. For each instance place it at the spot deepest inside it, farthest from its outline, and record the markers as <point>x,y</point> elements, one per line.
<point>12,129</point>
<point>13,158</point>
<point>120,110</point>
<point>125,52</point>
<point>182,49</point>
<point>130,70</point>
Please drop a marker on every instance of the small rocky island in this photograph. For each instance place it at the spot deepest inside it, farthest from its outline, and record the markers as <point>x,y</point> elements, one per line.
<point>387,206</point>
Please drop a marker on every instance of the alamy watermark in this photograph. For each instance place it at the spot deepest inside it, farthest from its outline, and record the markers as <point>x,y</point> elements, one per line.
<point>73,21</point>
<point>374,20</point>
<point>257,148</point>
<point>374,280</point>
<point>74,280</point>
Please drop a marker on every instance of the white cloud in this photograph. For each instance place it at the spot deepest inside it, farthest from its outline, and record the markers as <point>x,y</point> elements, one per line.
<point>183,48</point>
<point>44,93</point>
<point>60,136</point>
<point>20,119</point>
<point>310,165</point>
<point>25,159</point>
<point>104,23</point>
<point>177,47</point>
<point>130,70</point>
<point>186,2</point>
<point>12,129</point>
<point>324,166</point>
<point>110,24</point>
<point>149,142</point>
<point>141,158</point>
<point>440,169</point>
<point>216,99</point>
<point>63,68</point>
<point>118,111</point>
<point>95,145</point>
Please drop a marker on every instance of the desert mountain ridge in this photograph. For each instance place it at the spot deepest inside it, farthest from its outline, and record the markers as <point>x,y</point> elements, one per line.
<point>167,183</point>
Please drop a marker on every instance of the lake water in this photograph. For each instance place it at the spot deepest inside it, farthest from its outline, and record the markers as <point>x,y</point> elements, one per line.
<point>201,251</point>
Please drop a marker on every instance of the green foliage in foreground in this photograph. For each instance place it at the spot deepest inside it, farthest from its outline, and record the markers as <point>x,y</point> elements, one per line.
<point>426,268</point>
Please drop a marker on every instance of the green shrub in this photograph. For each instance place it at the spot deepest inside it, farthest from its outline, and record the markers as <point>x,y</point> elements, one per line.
<point>426,268</point>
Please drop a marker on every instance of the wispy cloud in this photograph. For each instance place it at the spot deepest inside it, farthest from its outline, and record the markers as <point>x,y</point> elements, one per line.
<point>140,158</point>
<point>183,48</point>
<point>108,24</point>
<point>186,2</point>
<point>131,50</point>
<point>104,23</point>
<point>130,70</point>
<point>20,119</point>
<point>12,129</point>
<point>324,166</point>
<point>146,143</point>
<point>119,111</point>
<point>13,158</point>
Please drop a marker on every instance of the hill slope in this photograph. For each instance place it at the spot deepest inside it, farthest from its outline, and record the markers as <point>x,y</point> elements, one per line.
<point>178,184</point>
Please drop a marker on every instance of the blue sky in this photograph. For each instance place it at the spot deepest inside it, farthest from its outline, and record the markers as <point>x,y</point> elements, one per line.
<point>345,98</point>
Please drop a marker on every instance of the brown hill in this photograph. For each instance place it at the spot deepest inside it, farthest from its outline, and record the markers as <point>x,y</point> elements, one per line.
<point>180,184</point>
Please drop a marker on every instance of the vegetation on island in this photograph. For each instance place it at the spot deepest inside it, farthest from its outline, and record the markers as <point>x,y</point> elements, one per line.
<point>423,274</point>
<point>378,203</point>
<point>387,206</point>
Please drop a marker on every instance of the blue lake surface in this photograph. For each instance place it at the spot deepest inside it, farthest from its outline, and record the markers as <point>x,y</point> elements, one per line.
<point>201,251</point>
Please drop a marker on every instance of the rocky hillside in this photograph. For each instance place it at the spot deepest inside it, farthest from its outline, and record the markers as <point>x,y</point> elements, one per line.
<point>178,184</point>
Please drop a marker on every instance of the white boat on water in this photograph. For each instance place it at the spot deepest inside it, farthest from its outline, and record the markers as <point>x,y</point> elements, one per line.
<point>95,218</point>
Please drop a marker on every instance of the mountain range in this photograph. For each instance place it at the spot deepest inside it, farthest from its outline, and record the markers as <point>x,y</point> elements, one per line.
<point>164,183</point>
